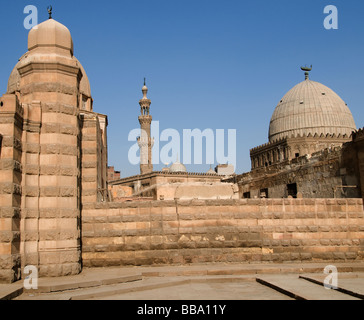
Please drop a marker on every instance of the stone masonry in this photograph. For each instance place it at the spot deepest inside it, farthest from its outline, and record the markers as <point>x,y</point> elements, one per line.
<point>53,157</point>
<point>249,230</point>
<point>358,141</point>
<point>335,172</point>
<point>55,210</point>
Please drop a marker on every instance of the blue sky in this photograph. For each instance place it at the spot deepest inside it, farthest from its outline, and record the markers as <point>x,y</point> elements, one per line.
<point>208,63</point>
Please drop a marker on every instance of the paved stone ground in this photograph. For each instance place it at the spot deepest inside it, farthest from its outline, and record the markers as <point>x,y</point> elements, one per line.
<point>207,289</point>
<point>199,282</point>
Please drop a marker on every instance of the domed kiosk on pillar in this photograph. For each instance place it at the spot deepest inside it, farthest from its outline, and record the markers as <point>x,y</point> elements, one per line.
<point>58,154</point>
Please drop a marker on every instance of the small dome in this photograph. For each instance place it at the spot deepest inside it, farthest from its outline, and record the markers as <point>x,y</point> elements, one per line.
<point>50,33</point>
<point>211,171</point>
<point>177,167</point>
<point>310,107</point>
<point>85,87</point>
<point>14,79</point>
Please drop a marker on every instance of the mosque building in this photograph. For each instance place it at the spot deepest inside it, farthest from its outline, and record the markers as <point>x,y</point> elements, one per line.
<point>309,118</point>
<point>57,207</point>
<point>309,152</point>
<point>173,181</point>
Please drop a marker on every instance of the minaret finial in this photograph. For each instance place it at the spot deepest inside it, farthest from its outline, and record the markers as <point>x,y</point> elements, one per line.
<point>49,8</point>
<point>307,70</point>
<point>145,90</point>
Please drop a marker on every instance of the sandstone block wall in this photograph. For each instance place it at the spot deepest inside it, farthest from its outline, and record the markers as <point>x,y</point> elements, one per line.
<point>358,140</point>
<point>327,174</point>
<point>249,230</point>
<point>93,158</point>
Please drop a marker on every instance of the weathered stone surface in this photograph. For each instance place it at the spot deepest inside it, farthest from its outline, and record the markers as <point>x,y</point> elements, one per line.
<point>270,237</point>
<point>42,166</point>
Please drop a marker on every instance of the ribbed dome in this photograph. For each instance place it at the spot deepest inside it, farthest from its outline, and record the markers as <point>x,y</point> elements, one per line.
<point>50,33</point>
<point>177,167</point>
<point>310,107</point>
<point>211,171</point>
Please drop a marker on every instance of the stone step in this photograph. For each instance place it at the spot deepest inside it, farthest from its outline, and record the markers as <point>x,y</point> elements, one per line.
<point>150,284</point>
<point>52,285</point>
<point>351,284</point>
<point>9,292</point>
<point>86,284</point>
<point>120,289</point>
<point>302,289</point>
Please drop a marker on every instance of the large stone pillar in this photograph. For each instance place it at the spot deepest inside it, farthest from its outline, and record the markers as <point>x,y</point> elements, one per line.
<point>51,205</point>
<point>48,85</point>
<point>53,157</point>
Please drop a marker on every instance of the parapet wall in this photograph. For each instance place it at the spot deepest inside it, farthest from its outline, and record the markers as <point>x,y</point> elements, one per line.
<point>197,231</point>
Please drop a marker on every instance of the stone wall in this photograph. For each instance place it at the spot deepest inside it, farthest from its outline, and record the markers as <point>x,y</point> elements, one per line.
<point>330,173</point>
<point>197,231</point>
<point>162,185</point>
<point>292,147</point>
<point>93,158</point>
<point>358,141</point>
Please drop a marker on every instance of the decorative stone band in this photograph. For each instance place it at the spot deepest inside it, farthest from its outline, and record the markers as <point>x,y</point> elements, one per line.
<point>59,128</point>
<point>60,170</point>
<point>59,108</point>
<point>48,87</point>
<point>10,164</point>
<point>50,191</point>
<point>49,67</point>
<point>11,142</point>
<point>31,148</point>
<point>10,188</point>
<point>315,136</point>
<point>49,213</point>
<point>50,235</point>
<point>9,212</point>
<point>62,149</point>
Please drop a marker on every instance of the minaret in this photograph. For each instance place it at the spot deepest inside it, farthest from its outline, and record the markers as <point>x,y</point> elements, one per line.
<point>145,141</point>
